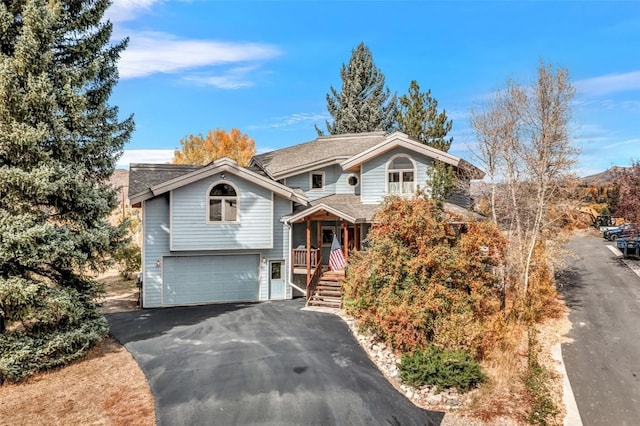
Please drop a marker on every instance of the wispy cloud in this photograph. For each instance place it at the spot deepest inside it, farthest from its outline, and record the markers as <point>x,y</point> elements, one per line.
<point>610,83</point>
<point>234,78</point>
<point>127,10</point>
<point>154,52</point>
<point>145,156</point>
<point>635,141</point>
<point>458,115</point>
<point>292,120</point>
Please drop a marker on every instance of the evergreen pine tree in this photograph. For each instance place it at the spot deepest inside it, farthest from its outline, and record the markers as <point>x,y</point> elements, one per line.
<point>59,143</point>
<point>419,118</point>
<point>365,104</point>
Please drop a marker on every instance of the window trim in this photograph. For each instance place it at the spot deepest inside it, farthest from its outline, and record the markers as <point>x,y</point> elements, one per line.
<point>318,172</point>
<point>221,197</point>
<point>387,170</point>
<point>353,175</point>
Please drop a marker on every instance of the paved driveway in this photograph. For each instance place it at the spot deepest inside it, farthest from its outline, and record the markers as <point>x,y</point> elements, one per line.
<point>603,357</point>
<point>264,363</point>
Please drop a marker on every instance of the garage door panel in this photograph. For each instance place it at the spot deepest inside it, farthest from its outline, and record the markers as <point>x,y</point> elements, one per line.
<point>210,279</point>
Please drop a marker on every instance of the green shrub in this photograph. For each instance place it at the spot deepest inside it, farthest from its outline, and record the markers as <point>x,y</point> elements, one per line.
<point>440,368</point>
<point>129,260</point>
<point>24,353</point>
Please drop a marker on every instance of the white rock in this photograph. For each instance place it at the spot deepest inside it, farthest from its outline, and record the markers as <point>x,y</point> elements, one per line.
<point>434,399</point>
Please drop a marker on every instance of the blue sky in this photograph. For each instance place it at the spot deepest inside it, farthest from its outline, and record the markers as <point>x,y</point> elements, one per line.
<point>266,67</point>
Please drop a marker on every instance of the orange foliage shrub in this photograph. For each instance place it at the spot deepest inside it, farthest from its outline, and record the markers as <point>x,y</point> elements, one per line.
<point>423,281</point>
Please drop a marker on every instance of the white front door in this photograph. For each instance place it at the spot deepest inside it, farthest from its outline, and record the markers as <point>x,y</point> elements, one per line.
<point>276,280</point>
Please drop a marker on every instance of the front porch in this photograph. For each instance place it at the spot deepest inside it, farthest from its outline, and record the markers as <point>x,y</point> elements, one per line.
<point>313,229</point>
<point>310,260</point>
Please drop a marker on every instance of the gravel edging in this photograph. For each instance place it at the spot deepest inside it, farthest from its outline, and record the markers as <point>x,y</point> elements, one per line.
<point>450,401</point>
<point>426,397</point>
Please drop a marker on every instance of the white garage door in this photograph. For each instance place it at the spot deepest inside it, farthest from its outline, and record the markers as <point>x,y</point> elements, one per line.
<point>191,280</point>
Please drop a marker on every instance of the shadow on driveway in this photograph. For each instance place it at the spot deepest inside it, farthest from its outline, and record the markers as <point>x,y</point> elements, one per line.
<point>262,363</point>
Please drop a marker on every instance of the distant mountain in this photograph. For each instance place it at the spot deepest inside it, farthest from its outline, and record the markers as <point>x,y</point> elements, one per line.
<point>606,177</point>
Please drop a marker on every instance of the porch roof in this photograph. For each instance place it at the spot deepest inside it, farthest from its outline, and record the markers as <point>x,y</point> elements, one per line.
<point>336,207</point>
<point>350,208</point>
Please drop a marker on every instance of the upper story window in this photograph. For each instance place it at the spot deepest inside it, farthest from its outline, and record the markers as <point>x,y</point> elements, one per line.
<point>223,203</point>
<point>316,181</point>
<point>401,172</point>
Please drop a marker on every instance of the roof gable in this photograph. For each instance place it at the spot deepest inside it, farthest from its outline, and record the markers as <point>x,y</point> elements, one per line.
<point>321,152</point>
<point>393,141</point>
<point>157,185</point>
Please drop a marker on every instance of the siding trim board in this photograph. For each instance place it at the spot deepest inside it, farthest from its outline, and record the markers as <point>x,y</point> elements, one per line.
<point>170,219</point>
<point>143,254</point>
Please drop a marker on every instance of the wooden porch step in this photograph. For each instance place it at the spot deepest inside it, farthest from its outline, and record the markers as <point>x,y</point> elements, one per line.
<point>328,292</point>
<point>333,276</point>
<point>326,303</point>
<point>329,285</point>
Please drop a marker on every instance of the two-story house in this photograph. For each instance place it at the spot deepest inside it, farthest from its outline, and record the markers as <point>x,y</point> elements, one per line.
<point>226,233</point>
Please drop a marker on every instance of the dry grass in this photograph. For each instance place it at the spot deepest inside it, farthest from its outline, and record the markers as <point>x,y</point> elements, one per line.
<point>504,400</point>
<point>105,388</point>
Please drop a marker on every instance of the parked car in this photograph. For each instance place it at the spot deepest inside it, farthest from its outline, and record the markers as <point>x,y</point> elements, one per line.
<point>624,230</point>
<point>629,246</point>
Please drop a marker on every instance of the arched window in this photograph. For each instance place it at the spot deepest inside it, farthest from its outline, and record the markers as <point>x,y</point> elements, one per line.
<point>401,176</point>
<point>223,203</point>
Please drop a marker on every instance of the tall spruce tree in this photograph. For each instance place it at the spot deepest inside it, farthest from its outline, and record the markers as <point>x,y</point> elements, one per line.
<point>364,104</point>
<point>419,118</point>
<point>59,142</point>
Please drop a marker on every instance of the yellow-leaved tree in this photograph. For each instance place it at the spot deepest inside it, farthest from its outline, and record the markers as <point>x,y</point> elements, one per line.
<point>217,144</point>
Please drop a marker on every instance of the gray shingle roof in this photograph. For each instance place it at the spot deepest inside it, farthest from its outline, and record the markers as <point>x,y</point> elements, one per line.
<point>325,148</point>
<point>349,204</point>
<point>143,176</point>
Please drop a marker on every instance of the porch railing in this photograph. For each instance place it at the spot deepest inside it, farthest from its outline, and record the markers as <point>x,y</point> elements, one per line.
<point>313,281</point>
<point>299,256</point>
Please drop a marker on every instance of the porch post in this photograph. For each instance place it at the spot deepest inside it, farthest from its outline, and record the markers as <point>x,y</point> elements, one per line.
<point>345,226</point>
<point>308,249</point>
<point>356,236</point>
<point>318,240</point>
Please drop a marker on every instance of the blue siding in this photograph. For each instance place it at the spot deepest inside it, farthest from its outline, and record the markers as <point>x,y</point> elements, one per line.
<point>156,244</point>
<point>374,176</point>
<point>342,184</point>
<point>461,198</point>
<point>335,182</point>
<point>156,247</point>
<point>189,227</point>
<point>280,250</point>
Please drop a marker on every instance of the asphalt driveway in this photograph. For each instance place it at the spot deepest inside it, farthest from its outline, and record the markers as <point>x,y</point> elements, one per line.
<point>259,364</point>
<point>602,357</point>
